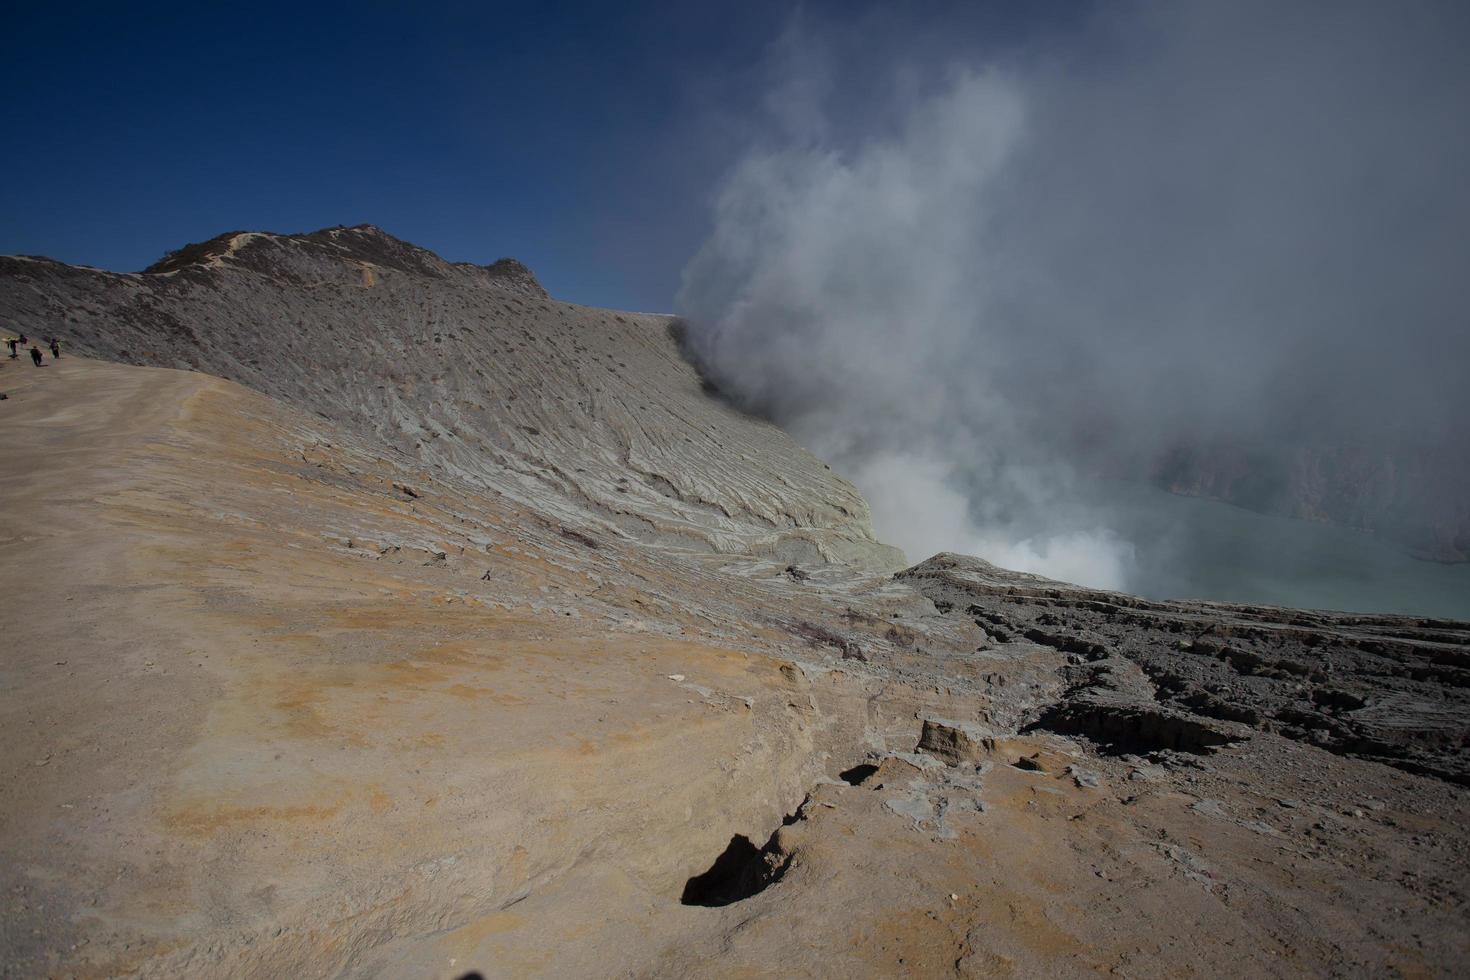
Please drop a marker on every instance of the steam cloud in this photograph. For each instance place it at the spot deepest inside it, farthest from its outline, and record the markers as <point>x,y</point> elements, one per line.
<point>979,280</point>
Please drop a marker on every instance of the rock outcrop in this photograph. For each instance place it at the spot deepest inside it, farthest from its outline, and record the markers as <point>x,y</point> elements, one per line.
<point>1147,675</point>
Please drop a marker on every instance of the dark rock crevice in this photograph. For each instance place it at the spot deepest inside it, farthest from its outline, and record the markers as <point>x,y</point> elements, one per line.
<point>743,870</point>
<point>1130,729</point>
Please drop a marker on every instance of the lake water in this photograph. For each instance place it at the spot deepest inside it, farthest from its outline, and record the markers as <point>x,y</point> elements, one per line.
<point>1187,548</point>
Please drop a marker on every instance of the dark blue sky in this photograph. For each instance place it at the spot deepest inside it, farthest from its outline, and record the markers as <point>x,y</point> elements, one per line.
<point>582,138</point>
<point>552,134</point>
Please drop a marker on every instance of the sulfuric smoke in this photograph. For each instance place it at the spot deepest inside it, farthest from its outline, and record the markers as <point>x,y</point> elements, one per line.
<point>990,285</point>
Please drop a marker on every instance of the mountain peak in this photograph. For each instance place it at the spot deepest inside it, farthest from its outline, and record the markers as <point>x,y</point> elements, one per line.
<point>514,273</point>
<point>298,257</point>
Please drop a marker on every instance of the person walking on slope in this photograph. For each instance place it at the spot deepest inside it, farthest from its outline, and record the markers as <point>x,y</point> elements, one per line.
<point>36,355</point>
<point>13,345</point>
<point>55,349</point>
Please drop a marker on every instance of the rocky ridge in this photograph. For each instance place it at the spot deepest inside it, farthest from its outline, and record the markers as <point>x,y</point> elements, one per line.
<point>474,370</point>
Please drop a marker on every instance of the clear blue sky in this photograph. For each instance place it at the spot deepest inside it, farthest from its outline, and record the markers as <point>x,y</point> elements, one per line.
<point>549,133</point>
<point>581,138</point>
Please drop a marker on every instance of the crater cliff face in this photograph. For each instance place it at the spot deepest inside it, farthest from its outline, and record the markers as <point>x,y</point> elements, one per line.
<point>1414,497</point>
<point>590,414</point>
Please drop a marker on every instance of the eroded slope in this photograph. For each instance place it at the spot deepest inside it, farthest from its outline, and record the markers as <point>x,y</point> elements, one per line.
<point>475,372</point>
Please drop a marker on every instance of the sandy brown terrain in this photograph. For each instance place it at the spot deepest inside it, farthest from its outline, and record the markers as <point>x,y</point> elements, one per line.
<point>257,725</point>
<point>219,681</point>
<point>412,661</point>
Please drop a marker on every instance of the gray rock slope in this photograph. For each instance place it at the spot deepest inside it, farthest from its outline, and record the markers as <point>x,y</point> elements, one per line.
<point>591,416</point>
<point>1143,675</point>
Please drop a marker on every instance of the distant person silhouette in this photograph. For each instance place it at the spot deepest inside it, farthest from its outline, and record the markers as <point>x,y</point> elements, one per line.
<point>23,339</point>
<point>13,343</point>
<point>36,355</point>
<point>55,349</point>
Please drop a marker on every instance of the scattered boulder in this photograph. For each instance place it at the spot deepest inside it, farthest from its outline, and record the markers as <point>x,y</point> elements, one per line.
<point>955,742</point>
<point>1083,778</point>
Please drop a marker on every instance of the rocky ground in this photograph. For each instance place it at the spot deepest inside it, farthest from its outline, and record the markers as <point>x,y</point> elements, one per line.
<point>293,695</point>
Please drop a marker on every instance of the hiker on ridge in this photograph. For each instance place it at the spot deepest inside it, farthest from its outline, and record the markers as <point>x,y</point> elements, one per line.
<point>36,355</point>
<point>55,349</point>
<point>13,343</point>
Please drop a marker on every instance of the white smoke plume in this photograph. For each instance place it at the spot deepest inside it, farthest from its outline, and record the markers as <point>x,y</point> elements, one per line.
<point>979,280</point>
